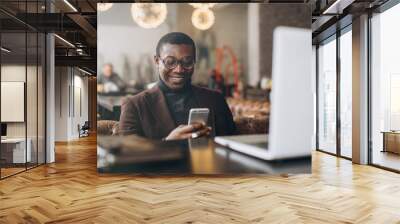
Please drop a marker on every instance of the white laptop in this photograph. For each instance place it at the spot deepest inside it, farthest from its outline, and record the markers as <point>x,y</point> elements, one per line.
<point>291,123</point>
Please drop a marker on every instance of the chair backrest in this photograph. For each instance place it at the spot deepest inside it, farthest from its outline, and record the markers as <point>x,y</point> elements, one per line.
<point>86,125</point>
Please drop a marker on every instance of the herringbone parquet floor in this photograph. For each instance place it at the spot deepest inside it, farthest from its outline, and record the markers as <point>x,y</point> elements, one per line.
<point>71,191</point>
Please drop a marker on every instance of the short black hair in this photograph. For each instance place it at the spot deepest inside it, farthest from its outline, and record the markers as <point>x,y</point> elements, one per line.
<point>176,38</point>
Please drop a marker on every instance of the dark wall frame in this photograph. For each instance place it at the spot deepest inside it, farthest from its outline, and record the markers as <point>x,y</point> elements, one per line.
<point>369,81</point>
<point>338,76</point>
<point>37,91</point>
<point>44,77</point>
<point>387,5</point>
<point>0,90</point>
<point>343,26</point>
<point>316,97</point>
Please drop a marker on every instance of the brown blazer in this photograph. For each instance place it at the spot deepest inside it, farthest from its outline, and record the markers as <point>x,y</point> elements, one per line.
<point>146,114</point>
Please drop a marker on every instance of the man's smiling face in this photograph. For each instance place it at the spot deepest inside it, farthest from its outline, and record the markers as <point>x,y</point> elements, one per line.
<point>175,78</point>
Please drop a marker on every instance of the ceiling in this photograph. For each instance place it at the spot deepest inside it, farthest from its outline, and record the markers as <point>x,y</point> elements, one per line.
<point>78,24</point>
<point>76,27</point>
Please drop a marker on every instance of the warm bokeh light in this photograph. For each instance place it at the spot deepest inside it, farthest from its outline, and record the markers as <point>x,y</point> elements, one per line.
<point>104,6</point>
<point>203,18</point>
<point>149,15</point>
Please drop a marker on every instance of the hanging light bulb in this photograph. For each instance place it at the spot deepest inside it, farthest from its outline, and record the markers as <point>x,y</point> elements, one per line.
<point>149,15</point>
<point>203,18</point>
<point>104,6</point>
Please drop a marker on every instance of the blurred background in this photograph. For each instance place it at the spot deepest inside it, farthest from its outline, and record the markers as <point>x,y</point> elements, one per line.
<point>234,50</point>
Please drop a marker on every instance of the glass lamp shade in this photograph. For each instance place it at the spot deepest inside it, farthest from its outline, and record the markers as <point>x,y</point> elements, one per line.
<point>149,15</point>
<point>203,18</point>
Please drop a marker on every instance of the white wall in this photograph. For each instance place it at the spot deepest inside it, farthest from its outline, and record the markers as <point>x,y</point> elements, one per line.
<point>17,73</point>
<point>14,73</point>
<point>81,104</point>
<point>33,126</point>
<point>253,44</point>
<point>61,103</point>
<point>69,85</point>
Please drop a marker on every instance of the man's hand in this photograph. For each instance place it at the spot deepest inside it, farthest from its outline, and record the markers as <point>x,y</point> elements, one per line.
<point>189,131</point>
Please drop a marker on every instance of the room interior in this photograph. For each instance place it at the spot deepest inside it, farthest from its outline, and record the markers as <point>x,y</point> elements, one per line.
<point>228,57</point>
<point>22,102</point>
<point>49,72</point>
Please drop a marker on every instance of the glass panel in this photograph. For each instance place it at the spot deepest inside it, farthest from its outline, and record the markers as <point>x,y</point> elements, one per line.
<point>31,97</point>
<point>31,88</point>
<point>346,94</point>
<point>327,96</point>
<point>41,99</point>
<point>386,89</point>
<point>314,75</point>
<point>13,79</point>
<point>23,90</point>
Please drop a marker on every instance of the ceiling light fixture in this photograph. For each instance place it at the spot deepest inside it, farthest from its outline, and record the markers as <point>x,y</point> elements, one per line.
<point>104,6</point>
<point>65,41</point>
<point>70,5</point>
<point>84,71</point>
<point>79,51</point>
<point>203,18</point>
<point>337,7</point>
<point>149,15</point>
<point>5,50</point>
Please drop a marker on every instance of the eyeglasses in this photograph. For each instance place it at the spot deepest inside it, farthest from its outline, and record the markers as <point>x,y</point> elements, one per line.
<point>171,62</point>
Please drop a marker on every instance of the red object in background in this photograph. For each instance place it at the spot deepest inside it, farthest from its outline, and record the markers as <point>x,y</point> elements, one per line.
<point>219,61</point>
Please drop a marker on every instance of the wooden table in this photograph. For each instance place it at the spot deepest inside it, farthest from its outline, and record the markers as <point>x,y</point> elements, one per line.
<point>194,157</point>
<point>391,141</point>
<point>13,151</point>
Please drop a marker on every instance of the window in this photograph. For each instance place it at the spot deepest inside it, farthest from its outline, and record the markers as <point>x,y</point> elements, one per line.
<point>385,88</point>
<point>334,138</point>
<point>327,96</point>
<point>346,93</point>
<point>22,77</point>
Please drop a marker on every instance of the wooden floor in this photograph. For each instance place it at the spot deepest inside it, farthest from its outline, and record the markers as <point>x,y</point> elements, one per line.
<point>386,159</point>
<point>71,191</point>
<point>10,171</point>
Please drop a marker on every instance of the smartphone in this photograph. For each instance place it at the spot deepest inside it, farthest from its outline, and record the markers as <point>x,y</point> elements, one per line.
<point>198,115</point>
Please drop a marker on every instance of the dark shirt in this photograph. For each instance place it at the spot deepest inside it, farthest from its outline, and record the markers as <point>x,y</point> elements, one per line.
<point>179,102</point>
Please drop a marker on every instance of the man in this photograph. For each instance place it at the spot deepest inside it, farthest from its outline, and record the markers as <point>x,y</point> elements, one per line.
<point>110,81</point>
<point>162,112</point>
